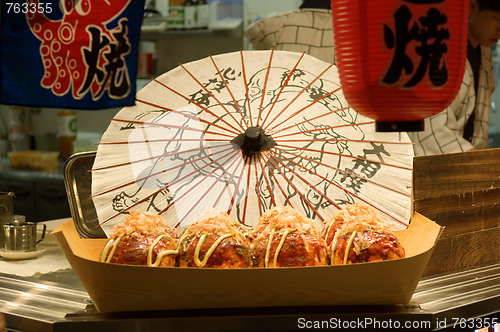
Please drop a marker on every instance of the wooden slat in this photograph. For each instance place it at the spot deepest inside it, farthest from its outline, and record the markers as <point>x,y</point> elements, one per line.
<point>456,173</point>
<point>465,251</point>
<point>460,191</point>
<point>462,213</point>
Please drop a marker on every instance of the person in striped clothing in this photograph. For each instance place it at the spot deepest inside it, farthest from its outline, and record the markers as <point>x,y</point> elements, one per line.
<point>308,29</point>
<point>463,126</point>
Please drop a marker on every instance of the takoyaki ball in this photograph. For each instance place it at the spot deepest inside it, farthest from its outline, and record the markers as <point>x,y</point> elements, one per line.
<point>285,238</point>
<point>142,239</point>
<point>214,240</point>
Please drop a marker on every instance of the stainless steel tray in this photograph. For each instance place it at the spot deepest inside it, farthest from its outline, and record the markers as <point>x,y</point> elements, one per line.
<point>78,181</point>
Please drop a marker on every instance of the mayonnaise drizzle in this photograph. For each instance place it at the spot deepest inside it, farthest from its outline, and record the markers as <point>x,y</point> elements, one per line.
<point>104,254</point>
<point>282,241</point>
<point>349,245</point>
<point>162,253</point>
<point>268,249</point>
<point>334,244</point>
<point>107,258</point>
<point>278,249</point>
<point>209,252</point>
<point>306,243</point>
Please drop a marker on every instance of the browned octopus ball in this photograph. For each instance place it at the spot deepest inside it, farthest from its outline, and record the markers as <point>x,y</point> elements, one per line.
<point>214,240</point>
<point>356,234</point>
<point>285,238</point>
<point>143,239</point>
<point>367,246</point>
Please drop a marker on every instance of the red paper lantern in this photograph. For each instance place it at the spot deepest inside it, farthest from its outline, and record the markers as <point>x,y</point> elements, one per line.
<point>400,61</point>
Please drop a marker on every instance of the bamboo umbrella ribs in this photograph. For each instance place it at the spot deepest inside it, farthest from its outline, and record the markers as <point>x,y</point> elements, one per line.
<point>244,132</point>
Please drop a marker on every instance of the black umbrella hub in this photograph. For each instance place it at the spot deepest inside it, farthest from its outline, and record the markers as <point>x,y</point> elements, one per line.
<point>253,141</point>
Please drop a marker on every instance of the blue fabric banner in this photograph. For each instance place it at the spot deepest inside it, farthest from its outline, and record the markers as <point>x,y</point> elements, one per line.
<point>76,54</point>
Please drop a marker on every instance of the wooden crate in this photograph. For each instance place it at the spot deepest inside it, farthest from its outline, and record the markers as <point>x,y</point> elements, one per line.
<point>460,191</point>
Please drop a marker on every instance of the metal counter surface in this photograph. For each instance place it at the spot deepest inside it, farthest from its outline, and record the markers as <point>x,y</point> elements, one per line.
<point>57,302</point>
